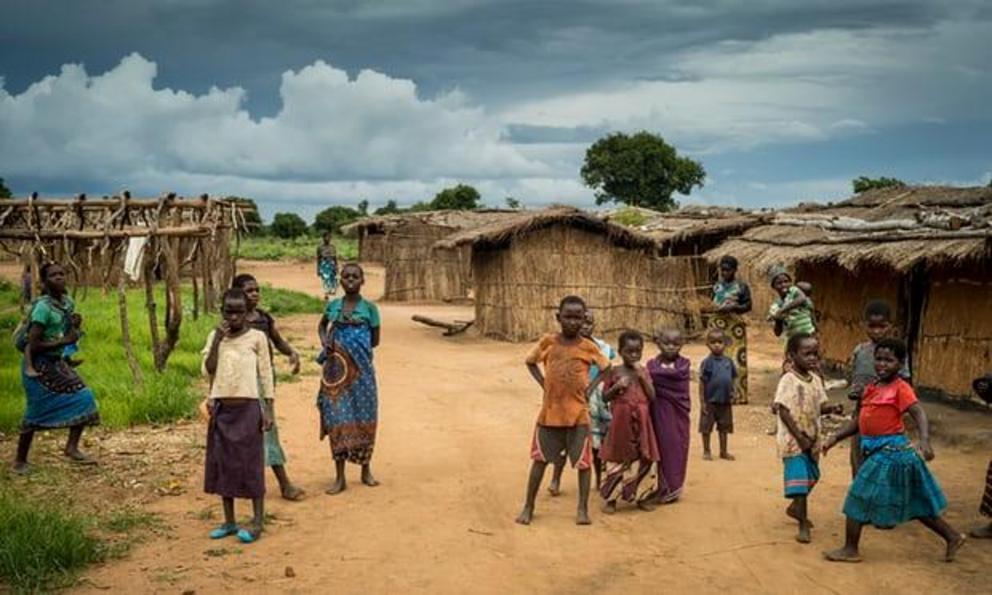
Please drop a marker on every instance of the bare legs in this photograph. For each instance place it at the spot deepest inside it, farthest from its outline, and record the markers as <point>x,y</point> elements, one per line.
<point>852,539</point>
<point>341,484</point>
<point>286,487</point>
<point>534,484</point>
<point>71,449</point>
<point>258,515</point>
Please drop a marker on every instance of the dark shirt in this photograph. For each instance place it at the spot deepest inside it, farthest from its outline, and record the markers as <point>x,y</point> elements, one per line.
<point>717,373</point>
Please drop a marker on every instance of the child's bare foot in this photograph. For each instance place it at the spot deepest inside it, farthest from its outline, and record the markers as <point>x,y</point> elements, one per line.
<point>77,456</point>
<point>790,512</point>
<point>984,532</point>
<point>726,456</point>
<point>337,487</point>
<point>554,488</point>
<point>21,467</point>
<point>707,456</point>
<point>647,505</point>
<point>31,372</point>
<point>582,517</point>
<point>843,555</point>
<point>292,493</point>
<point>525,516</point>
<point>953,547</point>
<point>368,479</point>
<point>804,535</point>
<point>610,507</point>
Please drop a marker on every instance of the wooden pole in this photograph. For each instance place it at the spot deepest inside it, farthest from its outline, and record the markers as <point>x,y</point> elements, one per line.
<point>149,274</point>
<point>132,361</point>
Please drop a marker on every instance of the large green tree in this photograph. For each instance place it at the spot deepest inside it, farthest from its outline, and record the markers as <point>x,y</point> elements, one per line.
<point>864,183</point>
<point>288,226</point>
<point>4,191</point>
<point>333,218</point>
<point>640,170</point>
<point>457,198</point>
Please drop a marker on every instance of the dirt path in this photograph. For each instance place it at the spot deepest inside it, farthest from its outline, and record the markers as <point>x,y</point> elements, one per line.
<point>456,418</point>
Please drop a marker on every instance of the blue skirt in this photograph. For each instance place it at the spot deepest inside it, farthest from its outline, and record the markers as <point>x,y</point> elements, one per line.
<point>893,485</point>
<point>57,397</point>
<point>801,474</point>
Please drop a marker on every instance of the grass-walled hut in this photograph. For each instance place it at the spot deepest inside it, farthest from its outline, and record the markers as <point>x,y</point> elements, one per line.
<point>522,267</point>
<point>925,250</point>
<point>414,270</point>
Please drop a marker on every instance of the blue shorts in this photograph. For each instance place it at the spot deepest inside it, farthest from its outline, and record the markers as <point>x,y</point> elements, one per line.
<point>801,474</point>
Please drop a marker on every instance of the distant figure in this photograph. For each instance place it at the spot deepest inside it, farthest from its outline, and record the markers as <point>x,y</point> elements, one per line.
<point>893,485</point>
<point>716,395</point>
<point>792,310</point>
<point>238,362</point>
<point>630,449</point>
<point>877,322</point>
<point>563,423</point>
<point>731,301</point>
<point>983,388</point>
<point>670,373</point>
<point>327,266</point>
<point>800,400</point>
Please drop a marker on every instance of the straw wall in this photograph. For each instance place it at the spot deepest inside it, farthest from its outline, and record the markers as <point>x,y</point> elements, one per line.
<point>416,272</point>
<point>518,288</point>
<point>371,246</point>
<point>955,342</point>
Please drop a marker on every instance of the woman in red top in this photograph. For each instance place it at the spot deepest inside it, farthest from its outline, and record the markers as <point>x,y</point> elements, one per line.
<point>893,485</point>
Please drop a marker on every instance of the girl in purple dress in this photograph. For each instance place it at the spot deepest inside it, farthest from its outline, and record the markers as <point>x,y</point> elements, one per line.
<point>670,413</point>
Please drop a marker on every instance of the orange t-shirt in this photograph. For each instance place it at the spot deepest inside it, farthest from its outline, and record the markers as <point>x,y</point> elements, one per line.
<point>882,407</point>
<point>566,378</point>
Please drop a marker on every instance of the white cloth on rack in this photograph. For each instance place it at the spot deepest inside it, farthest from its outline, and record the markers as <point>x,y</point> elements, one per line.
<point>132,259</point>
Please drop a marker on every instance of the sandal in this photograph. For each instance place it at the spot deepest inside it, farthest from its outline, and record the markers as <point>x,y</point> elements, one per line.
<point>248,536</point>
<point>224,530</point>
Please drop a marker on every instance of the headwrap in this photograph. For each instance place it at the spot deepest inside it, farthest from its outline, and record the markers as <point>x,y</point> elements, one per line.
<point>775,272</point>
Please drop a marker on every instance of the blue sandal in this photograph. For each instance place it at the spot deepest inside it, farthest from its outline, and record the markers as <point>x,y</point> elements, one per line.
<point>247,536</point>
<point>224,530</point>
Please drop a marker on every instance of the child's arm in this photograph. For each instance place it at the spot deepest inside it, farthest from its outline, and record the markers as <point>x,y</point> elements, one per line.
<point>827,408</point>
<point>375,336</point>
<point>798,301</point>
<point>923,425</point>
<point>210,364</point>
<point>646,383</point>
<point>616,389</point>
<point>283,347</point>
<point>848,430</point>
<point>702,396</point>
<point>803,439</point>
<point>535,372</point>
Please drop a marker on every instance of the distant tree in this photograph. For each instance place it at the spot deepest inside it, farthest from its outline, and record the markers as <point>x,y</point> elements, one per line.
<point>458,198</point>
<point>363,208</point>
<point>864,183</point>
<point>639,170</point>
<point>4,191</point>
<point>333,218</point>
<point>391,208</point>
<point>250,211</point>
<point>288,226</point>
<point>513,203</point>
<point>421,206</point>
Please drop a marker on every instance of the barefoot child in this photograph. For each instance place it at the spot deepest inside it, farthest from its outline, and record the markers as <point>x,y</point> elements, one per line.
<point>670,374</point>
<point>716,393</point>
<point>893,485</point>
<point>599,412</point>
<point>261,320</point>
<point>238,363</point>
<point>878,325</point>
<point>630,449</point>
<point>799,401</point>
<point>563,423</point>
<point>983,388</point>
<point>349,397</point>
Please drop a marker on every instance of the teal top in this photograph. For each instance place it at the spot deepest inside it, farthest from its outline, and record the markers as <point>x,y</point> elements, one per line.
<point>365,311</point>
<point>53,318</point>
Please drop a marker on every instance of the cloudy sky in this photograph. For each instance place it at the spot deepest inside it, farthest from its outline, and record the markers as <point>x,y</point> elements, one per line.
<point>303,104</point>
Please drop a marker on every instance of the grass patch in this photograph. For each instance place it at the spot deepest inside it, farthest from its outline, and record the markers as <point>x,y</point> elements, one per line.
<point>303,248</point>
<point>166,396</point>
<point>43,545</point>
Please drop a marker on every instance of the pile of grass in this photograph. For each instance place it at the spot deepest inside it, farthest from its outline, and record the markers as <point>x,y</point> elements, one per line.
<point>303,248</point>
<point>43,544</point>
<point>166,396</point>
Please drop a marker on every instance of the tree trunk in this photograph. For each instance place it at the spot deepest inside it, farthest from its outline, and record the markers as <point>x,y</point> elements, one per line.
<point>132,361</point>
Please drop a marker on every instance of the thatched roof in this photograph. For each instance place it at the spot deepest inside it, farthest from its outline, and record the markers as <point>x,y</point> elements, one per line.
<point>500,234</point>
<point>452,219</point>
<point>895,227</point>
<point>697,223</point>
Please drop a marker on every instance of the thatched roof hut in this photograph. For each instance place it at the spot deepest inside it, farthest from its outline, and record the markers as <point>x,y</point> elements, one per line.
<point>523,266</point>
<point>404,244</point>
<point>927,250</point>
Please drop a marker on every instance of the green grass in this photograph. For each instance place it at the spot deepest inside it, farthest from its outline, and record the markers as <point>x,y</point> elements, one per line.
<point>166,396</point>
<point>43,544</point>
<point>303,248</point>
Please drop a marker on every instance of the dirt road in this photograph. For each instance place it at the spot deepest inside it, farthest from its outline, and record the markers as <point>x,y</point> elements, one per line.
<point>452,456</point>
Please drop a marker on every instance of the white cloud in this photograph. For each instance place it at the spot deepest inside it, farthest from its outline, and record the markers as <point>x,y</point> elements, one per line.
<point>330,128</point>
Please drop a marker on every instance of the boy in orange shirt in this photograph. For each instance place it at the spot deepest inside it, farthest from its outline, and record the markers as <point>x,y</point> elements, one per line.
<point>563,423</point>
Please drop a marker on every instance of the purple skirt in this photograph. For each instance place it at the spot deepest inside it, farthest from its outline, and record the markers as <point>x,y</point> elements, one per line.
<point>235,464</point>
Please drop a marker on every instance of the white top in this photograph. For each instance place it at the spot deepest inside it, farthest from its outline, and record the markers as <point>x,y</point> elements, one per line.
<point>244,367</point>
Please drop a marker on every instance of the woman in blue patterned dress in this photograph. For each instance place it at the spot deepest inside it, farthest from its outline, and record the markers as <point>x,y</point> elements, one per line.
<point>327,266</point>
<point>56,396</point>
<point>348,397</point>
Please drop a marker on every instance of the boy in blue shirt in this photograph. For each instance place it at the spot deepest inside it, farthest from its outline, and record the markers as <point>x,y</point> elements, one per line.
<point>716,392</point>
